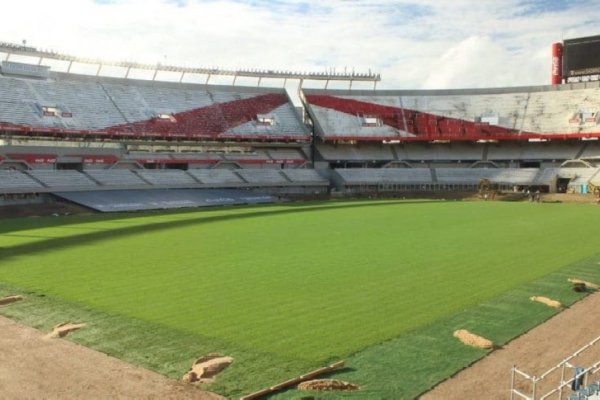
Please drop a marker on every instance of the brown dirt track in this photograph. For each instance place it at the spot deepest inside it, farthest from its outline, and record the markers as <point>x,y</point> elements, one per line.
<point>32,367</point>
<point>534,353</point>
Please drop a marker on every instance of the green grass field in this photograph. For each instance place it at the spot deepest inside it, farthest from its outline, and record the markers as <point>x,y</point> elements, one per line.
<point>285,289</point>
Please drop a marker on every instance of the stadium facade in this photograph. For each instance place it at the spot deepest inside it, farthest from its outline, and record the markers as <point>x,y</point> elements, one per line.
<point>90,137</point>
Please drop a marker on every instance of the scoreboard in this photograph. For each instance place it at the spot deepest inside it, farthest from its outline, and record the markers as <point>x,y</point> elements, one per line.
<point>581,56</point>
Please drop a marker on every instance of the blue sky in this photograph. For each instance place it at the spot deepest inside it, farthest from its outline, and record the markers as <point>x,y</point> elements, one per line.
<point>413,44</point>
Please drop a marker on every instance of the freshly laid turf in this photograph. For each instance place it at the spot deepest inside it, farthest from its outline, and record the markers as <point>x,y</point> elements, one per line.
<point>285,289</point>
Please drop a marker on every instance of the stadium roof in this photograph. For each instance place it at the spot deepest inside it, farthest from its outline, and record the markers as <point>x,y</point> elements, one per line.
<point>24,50</point>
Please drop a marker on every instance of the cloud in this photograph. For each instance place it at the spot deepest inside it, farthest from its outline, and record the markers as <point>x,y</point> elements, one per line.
<point>477,61</point>
<point>414,44</point>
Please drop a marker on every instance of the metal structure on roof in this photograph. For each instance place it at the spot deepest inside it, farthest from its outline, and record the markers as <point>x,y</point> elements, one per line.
<point>23,50</point>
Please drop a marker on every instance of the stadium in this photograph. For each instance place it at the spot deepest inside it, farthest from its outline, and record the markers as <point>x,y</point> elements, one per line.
<point>178,221</point>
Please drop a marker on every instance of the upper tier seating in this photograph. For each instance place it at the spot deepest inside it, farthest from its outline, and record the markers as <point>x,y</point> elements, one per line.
<point>472,114</point>
<point>123,107</point>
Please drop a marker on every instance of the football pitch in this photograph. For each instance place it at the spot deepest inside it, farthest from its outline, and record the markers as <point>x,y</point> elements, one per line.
<point>284,289</point>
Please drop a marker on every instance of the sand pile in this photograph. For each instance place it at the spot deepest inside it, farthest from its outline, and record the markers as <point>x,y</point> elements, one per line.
<point>470,339</point>
<point>588,285</point>
<point>547,301</point>
<point>10,299</point>
<point>62,330</point>
<point>327,384</point>
<point>206,368</point>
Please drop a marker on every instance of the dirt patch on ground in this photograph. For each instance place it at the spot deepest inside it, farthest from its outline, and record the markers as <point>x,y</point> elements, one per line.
<point>62,330</point>
<point>34,368</point>
<point>206,368</point>
<point>569,198</point>
<point>473,340</point>
<point>588,285</point>
<point>327,385</point>
<point>544,198</point>
<point>547,301</point>
<point>535,352</point>
<point>9,300</point>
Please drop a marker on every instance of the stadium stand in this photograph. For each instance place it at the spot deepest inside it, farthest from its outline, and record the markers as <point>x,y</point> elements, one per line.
<point>77,105</point>
<point>505,176</point>
<point>440,152</point>
<point>578,178</point>
<point>308,176</point>
<point>196,157</point>
<point>467,114</point>
<point>534,151</point>
<point>62,178</point>
<point>263,176</point>
<point>287,156</point>
<point>170,178</point>
<point>358,176</point>
<point>116,177</point>
<point>216,176</point>
<point>591,152</point>
<point>259,157</point>
<point>64,133</point>
<point>355,153</point>
<point>145,157</point>
<point>546,177</point>
<point>16,180</point>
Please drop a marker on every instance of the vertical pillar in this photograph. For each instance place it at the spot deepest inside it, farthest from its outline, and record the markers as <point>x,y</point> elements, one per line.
<point>557,63</point>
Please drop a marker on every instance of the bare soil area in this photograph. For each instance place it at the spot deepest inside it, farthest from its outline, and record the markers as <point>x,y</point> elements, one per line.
<point>34,368</point>
<point>534,353</point>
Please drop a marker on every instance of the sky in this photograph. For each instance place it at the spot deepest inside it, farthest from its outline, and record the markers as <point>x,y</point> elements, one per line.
<point>413,44</point>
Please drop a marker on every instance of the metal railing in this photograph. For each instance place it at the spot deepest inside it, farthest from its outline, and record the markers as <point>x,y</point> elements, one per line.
<point>558,390</point>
